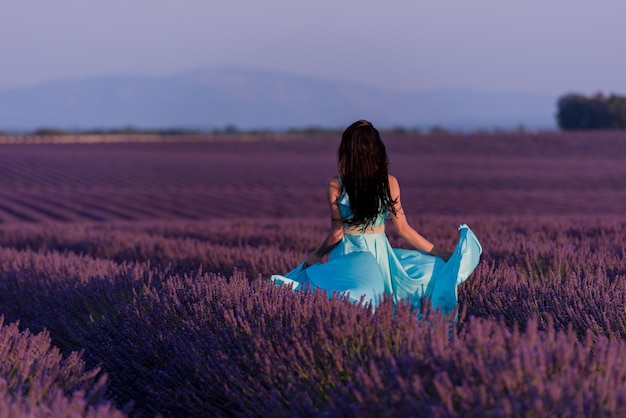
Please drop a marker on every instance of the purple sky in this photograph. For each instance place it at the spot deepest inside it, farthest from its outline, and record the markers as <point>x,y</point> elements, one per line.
<point>539,46</point>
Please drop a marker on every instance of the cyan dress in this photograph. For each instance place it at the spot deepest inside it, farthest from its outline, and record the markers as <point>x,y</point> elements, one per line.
<point>365,266</point>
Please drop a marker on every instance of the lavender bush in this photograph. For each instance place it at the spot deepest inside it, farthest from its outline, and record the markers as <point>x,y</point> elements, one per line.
<point>152,260</point>
<point>541,328</point>
<point>37,381</point>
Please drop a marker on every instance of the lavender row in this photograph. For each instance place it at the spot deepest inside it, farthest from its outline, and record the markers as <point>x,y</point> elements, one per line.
<point>530,265</point>
<point>206,345</point>
<point>532,246</point>
<point>262,350</point>
<point>37,381</point>
<point>525,174</point>
<point>179,341</point>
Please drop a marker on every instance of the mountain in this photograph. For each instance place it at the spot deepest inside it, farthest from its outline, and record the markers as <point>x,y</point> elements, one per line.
<point>255,99</point>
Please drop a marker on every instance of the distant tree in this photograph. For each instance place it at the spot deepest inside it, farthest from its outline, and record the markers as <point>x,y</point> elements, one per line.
<point>438,130</point>
<point>398,130</point>
<point>576,111</point>
<point>572,111</point>
<point>179,131</point>
<point>617,108</point>
<point>128,130</point>
<point>307,130</point>
<point>230,130</point>
<point>49,132</point>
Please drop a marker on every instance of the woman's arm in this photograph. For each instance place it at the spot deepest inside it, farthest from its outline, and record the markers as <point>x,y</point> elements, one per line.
<point>336,225</point>
<point>406,231</point>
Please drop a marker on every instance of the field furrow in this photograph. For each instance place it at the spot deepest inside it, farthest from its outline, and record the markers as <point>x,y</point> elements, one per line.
<point>532,174</point>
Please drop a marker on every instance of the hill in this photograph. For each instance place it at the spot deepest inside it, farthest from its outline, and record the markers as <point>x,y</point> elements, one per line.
<point>255,99</point>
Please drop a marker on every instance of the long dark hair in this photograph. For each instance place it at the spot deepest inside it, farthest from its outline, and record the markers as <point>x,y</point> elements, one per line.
<point>363,163</point>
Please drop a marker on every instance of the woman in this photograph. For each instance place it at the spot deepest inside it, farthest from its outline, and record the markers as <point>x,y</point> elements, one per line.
<point>361,262</point>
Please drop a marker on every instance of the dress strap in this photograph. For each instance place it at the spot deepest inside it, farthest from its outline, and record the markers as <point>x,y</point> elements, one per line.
<point>340,182</point>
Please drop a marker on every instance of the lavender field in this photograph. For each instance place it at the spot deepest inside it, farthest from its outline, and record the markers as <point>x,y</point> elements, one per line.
<point>133,280</point>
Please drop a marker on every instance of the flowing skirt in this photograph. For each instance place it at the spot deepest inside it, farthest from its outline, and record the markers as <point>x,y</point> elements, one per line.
<point>365,267</point>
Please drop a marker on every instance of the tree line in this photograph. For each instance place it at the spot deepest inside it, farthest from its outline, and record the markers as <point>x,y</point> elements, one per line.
<point>576,112</point>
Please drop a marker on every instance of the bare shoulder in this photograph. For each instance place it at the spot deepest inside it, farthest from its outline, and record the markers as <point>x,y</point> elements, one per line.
<point>334,187</point>
<point>394,186</point>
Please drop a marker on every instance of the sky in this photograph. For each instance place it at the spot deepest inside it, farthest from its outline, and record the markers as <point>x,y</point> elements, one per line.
<point>533,46</point>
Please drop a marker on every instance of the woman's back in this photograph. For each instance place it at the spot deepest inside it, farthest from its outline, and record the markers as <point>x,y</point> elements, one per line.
<point>346,211</point>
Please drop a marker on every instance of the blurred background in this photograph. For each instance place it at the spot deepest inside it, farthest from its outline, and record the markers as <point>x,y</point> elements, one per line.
<point>279,64</point>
